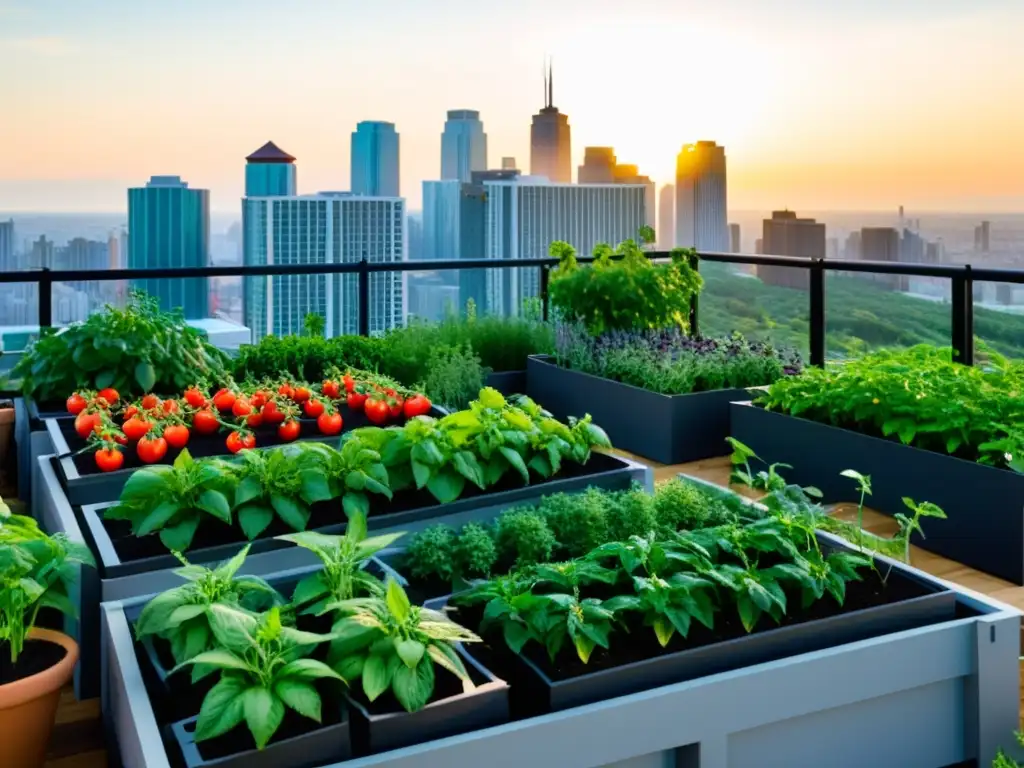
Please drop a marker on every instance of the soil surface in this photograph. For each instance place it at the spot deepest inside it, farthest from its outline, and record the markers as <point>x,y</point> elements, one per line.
<point>37,656</point>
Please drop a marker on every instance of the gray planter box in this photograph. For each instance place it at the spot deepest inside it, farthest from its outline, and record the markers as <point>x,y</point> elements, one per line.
<point>671,429</point>
<point>114,580</point>
<point>931,696</point>
<point>508,382</point>
<point>984,528</point>
<point>31,441</point>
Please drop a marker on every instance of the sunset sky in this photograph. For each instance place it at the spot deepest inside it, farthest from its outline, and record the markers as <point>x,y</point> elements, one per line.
<point>821,104</point>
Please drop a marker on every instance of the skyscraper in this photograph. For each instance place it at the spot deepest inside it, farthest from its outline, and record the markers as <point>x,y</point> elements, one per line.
<point>882,244</point>
<point>735,246</point>
<point>666,231</point>
<point>784,234</point>
<point>375,160</point>
<point>169,226</point>
<point>550,139</point>
<point>6,245</point>
<point>270,172</point>
<point>982,237</point>
<point>524,216</point>
<point>601,166</point>
<point>463,145</point>
<point>701,209</point>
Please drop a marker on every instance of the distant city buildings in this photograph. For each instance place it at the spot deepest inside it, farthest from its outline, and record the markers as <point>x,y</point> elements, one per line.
<point>509,164</point>
<point>785,234</point>
<point>666,231</point>
<point>375,160</point>
<point>169,226</point>
<point>600,166</point>
<point>7,260</point>
<point>270,172</point>
<point>701,210</point>
<point>982,237</point>
<point>463,145</point>
<point>882,244</point>
<point>735,246</point>
<point>551,140</point>
<point>832,248</point>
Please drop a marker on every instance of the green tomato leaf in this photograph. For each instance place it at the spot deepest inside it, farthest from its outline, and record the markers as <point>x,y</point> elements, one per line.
<point>413,686</point>
<point>145,376</point>
<point>300,696</point>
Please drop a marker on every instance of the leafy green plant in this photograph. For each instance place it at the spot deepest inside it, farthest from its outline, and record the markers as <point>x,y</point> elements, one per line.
<point>307,357</point>
<point>344,575</point>
<point>578,521</point>
<point>264,667</point>
<point>679,505</point>
<point>174,500</point>
<point>453,376</point>
<point>763,480</point>
<point>475,552</point>
<point>1003,760</point>
<point>622,289</point>
<point>431,553</point>
<point>135,350</point>
<point>181,616</point>
<point>523,537</point>
<point>864,486</point>
<point>36,571</point>
<point>353,472</point>
<point>630,513</point>
<point>392,645</point>
<point>911,525</point>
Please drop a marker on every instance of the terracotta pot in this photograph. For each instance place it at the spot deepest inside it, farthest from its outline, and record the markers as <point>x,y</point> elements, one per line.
<point>6,434</point>
<point>28,706</point>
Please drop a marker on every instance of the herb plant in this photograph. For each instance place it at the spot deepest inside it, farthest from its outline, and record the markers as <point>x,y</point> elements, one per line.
<point>453,377</point>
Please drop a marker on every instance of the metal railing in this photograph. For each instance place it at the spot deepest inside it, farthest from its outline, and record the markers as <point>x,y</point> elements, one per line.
<point>961,277</point>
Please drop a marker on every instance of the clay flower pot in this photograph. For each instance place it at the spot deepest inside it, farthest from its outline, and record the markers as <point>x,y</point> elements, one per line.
<point>28,706</point>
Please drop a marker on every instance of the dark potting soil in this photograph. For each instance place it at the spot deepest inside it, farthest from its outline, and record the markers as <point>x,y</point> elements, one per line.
<point>641,644</point>
<point>213,532</point>
<point>37,656</point>
<point>446,685</point>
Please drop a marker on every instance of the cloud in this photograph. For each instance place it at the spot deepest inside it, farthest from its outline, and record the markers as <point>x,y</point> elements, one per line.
<point>39,46</point>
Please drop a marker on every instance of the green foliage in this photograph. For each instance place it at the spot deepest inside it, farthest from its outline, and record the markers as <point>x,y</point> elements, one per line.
<point>622,289</point>
<point>679,506</point>
<point>264,667</point>
<point>630,513</point>
<point>453,377</point>
<point>1003,760</point>
<point>36,571</point>
<point>578,521</point>
<point>392,645</point>
<point>135,350</point>
<point>475,552</point>
<point>431,554</point>
<point>309,358</point>
<point>762,480</point>
<point>524,538</point>
<point>314,324</point>
<point>920,397</point>
<point>181,616</point>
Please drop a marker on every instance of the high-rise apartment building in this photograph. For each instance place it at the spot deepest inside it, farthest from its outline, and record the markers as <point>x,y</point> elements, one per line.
<point>7,261</point>
<point>326,228</point>
<point>600,166</point>
<point>551,139</point>
<point>524,216</point>
<point>701,210</point>
<point>169,226</point>
<point>784,234</point>
<point>735,246</point>
<point>270,172</point>
<point>982,237</point>
<point>463,145</point>
<point>882,244</point>
<point>666,230</point>
<point>375,159</point>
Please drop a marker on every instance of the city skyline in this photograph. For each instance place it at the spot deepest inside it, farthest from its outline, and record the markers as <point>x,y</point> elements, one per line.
<point>797,136</point>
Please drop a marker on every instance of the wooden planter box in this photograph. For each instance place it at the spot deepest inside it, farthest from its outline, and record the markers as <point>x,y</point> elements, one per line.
<point>670,429</point>
<point>942,694</point>
<point>984,528</point>
<point>116,580</point>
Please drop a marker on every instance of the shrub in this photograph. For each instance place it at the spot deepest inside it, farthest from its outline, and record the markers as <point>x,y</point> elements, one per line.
<point>524,538</point>
<point>475,552</point>
<point>431,553</point>
<point>630,513</point>
<point>578,521</point>
<point>679,505</point>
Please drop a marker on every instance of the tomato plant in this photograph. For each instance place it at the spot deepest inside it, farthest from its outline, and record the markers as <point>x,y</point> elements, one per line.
<point>76,404</point>
<point>329,423</point>
<point>136,428</point>
<point>313,407</point>
<point>149,402</point>
<point>195,398</point>
<point>151,449</point>
<point>417,405</point>
<point>289,430</point>
<point>377,410</point>
<point>109,394</point>
<point>240,441</point>
<point>355,400</point>
<point>331,389</point>
<point>109,459</point>
<point>176,435</point>
<point>301,394</point>
<point>205,422</point>
<point>224,400</point>
<point>241,407</point>
<point>87,422</point>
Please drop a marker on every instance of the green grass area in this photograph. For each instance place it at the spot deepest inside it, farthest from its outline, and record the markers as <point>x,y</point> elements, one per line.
<point>859,315</point>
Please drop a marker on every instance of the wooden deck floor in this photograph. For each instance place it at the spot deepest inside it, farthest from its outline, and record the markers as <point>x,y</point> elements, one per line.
<point>77,740</point>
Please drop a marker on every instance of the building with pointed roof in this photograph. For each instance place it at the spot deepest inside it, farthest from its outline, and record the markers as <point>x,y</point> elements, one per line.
<point>550,139</point>
<point>269,172</point>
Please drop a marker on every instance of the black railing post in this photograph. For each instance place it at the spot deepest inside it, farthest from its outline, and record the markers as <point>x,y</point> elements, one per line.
<point>694,300</point>
<point>817,312</point>
<point>45,299</point>
<point>962,321</point>
<point>364,299</point>
<point>545,276</point>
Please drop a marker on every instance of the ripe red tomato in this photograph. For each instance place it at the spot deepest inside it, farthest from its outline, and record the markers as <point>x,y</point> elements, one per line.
<point>330,389</point>
<point>417,405</point>
<point>120,439</point>
<point>237,441</point>
<point>242,407</point>
<point>285,390</point>
<point>356,400</point>
<point>313,408</point>
<point>395,406</point>
<point>224,399</point>
<point>301,394</point>
<point>329,423</point>
<point>271,413</point>
<point>86,423</point>
<point>136,428</point>
<point>349,382</point>
<point>76,404</point>
<point>377,411</point>
<point>171,406</point>
<point>176,435</point>
<point>109,394</point>
<point>130,411</point>
<point>109,459</point>
<point>205,422</point>
<point>254,419</point>
<point>195,398</point>
<point>259,397</point>
<point>151,449</point>
<point>150,401</point>
<point>289,430</point>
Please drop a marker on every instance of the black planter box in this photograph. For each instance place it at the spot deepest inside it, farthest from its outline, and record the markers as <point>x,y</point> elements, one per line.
<point>323,746</point>
<point>507,382</point>
<point>97,487</point>
<point>670,429</point>
<point>535,693</point>
<point>984,506</point>
<point>485,706</point>
<point>40,412</point>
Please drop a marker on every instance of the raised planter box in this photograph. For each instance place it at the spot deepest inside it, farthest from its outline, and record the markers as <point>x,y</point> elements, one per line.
<point>86,485</point>
<point>117,580</point>
<point>984,506</point>
<point>31,440</point>
<point>938,695</point>
<point>507,382</point>
<point>671,429</point>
